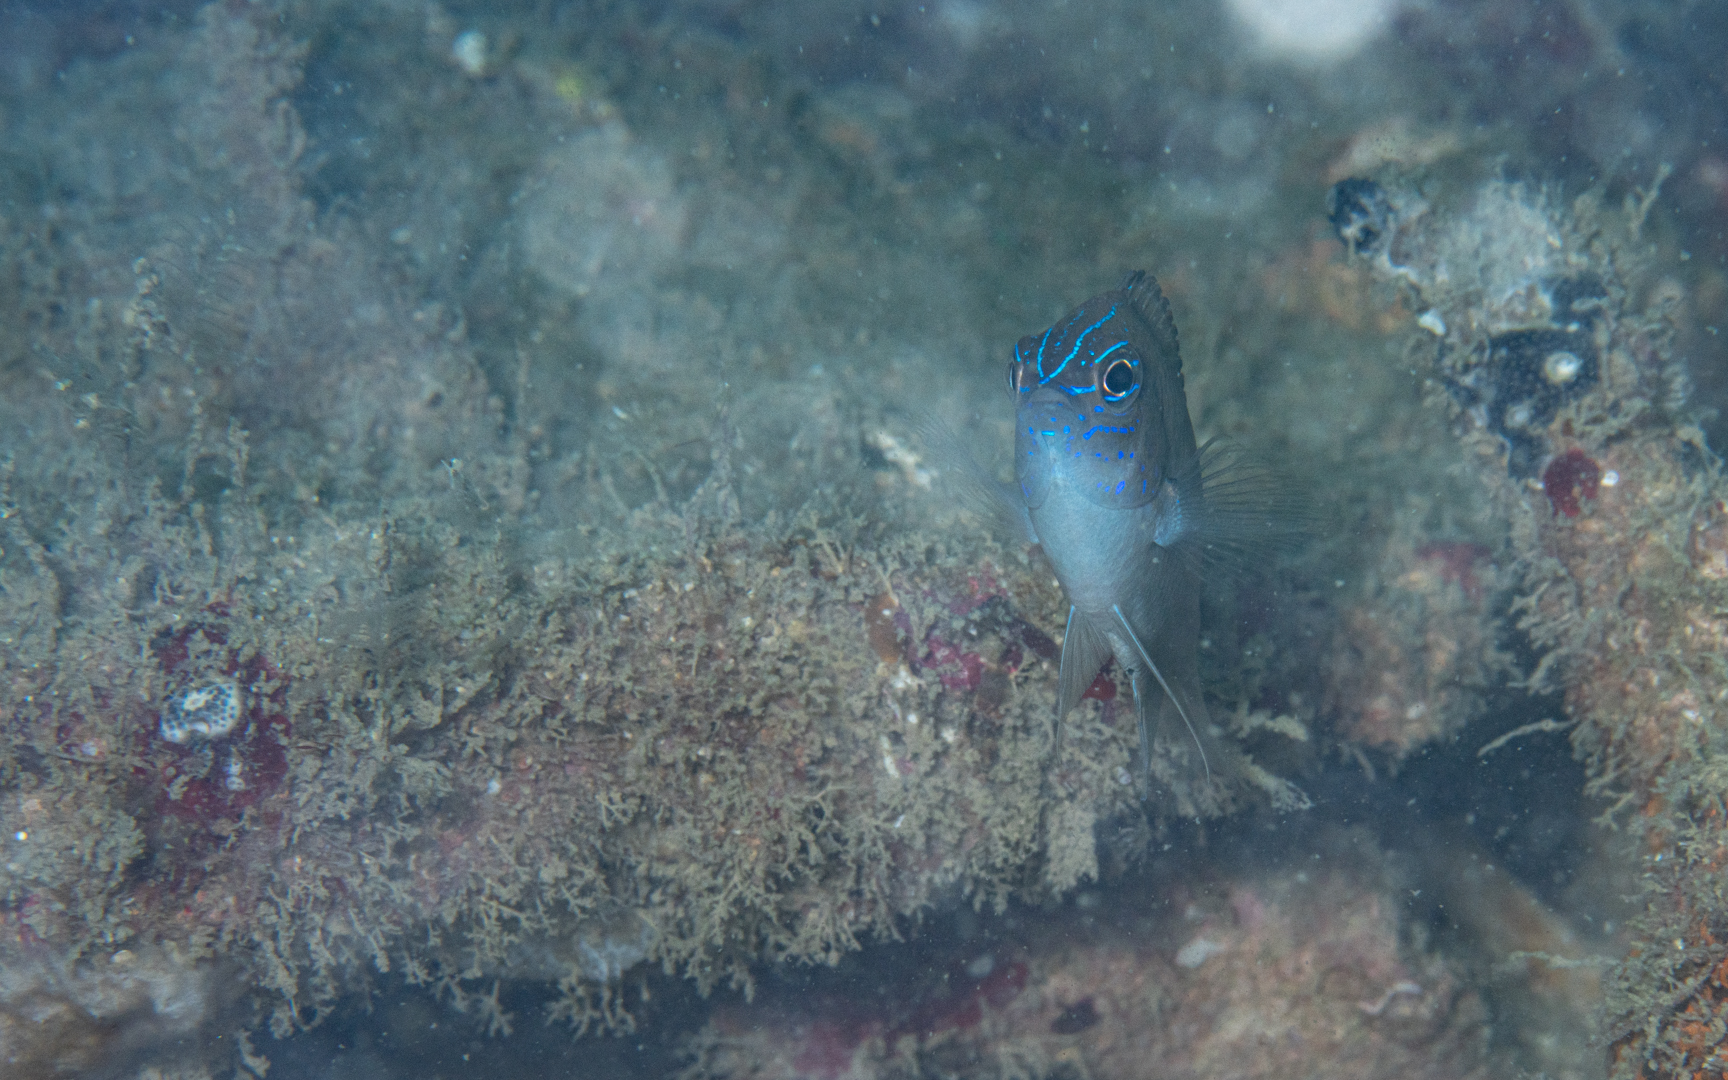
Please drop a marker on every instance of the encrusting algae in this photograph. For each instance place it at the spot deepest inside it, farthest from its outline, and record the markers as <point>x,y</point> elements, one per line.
<point>683,742</point>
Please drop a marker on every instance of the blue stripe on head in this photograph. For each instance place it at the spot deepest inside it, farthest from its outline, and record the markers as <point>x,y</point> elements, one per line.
<point>1081,340</point>
<point>1079,343</point>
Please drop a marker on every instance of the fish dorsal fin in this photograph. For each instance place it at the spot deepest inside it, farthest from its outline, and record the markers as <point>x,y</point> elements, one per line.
<point>1145,297</point>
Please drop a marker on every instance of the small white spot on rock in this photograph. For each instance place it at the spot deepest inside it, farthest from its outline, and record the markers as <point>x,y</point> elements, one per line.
<point>1197,952</point>
<point>471,53</point>
<point>888,763</point>
<point>1561,367</point>
<point>206,712</point>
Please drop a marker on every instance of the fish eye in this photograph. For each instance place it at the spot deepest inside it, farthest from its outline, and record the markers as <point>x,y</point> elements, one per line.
<point>1119,380</point>
<point>1013,377</point>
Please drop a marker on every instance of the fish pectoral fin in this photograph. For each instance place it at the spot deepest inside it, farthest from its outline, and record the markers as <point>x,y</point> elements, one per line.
<point>1144,707</point>
<point>969,484</point>
<point>1084,651</point>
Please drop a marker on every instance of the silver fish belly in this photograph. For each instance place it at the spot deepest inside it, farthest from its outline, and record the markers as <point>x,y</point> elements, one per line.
<point>1109,483</point>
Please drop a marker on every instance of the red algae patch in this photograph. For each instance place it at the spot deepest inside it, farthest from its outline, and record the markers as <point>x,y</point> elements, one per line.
<point>1569,479</point>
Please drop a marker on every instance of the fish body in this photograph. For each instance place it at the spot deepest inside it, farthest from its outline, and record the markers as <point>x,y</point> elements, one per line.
<point>1109,484</point>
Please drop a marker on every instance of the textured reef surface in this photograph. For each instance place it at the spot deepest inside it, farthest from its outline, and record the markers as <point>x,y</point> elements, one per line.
<point>494,576</point>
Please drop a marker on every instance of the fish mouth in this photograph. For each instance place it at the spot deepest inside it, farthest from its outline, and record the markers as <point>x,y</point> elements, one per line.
<point>1047,405</point>
<point>1046,397</point>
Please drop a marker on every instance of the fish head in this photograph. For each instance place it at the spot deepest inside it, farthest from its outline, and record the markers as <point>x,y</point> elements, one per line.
<point>1097,395</point>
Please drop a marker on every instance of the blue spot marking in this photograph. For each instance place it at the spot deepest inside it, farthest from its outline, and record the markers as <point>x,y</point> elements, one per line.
<point>1120,485</point>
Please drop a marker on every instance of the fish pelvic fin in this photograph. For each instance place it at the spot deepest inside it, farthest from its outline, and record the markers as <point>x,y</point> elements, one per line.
<point>1141,709</point>
<point>1084,651</point>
